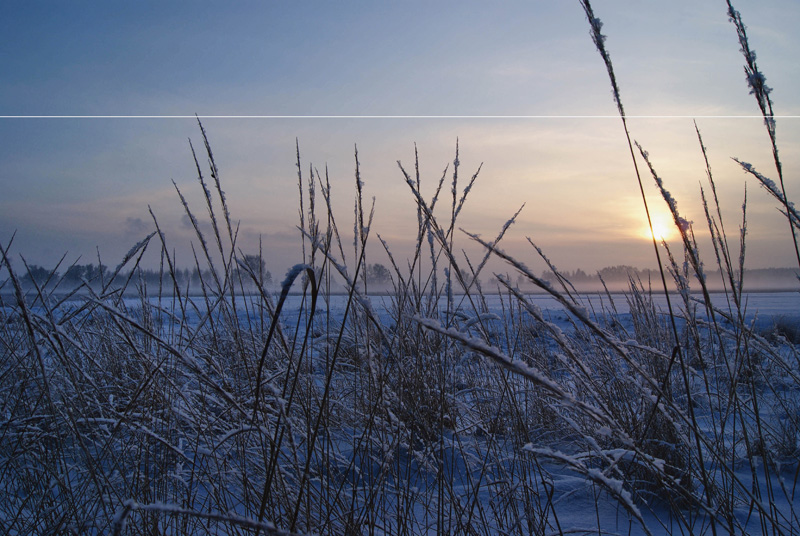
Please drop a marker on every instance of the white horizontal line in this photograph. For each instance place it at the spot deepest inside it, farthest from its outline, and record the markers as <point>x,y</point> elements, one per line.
<point>392,117</point>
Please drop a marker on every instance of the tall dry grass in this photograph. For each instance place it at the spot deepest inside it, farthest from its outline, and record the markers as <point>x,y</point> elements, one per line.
<point>226,413</point>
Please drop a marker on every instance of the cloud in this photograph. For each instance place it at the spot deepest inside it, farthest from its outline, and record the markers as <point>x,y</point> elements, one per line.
<point>186,222</point>
<point>136,226</point>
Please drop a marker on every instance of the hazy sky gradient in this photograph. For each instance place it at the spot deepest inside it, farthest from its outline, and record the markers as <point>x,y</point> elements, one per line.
<point>69,185</point>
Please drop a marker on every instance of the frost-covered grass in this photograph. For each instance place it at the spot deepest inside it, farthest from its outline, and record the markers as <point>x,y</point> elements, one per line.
<point>227,413</point>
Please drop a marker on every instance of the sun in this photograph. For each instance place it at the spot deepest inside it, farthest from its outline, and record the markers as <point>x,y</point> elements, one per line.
<point>663,230</point>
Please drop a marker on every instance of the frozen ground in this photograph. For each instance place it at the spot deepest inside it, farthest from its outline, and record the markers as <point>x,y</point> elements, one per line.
<point>148,401</point>
<point>763,308</point>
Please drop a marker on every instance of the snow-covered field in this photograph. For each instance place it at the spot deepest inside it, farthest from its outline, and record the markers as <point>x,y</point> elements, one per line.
<point>438,409</point>
<point>763,308</point>
<point>503,415</point>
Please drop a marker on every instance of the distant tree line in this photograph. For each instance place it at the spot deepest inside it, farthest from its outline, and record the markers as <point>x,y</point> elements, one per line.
<point>378,274</point>
<point>251,270</point>
<point>73,274</point>
<point>753,277</point>
<point>617,273</point>
<point>251,273</point>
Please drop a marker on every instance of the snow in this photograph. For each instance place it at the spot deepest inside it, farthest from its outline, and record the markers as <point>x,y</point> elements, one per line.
<point>577,479</point>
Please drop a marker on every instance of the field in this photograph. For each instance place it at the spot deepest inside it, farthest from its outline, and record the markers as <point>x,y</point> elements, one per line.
<point>441,406</point>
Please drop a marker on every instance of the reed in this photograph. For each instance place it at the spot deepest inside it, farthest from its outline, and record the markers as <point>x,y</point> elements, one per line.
<point>130,407</point>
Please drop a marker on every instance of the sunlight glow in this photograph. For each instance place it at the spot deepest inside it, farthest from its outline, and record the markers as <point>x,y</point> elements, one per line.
<point>663,229</point>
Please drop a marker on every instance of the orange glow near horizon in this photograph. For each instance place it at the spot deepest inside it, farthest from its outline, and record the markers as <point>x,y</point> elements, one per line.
<point>663,229</point>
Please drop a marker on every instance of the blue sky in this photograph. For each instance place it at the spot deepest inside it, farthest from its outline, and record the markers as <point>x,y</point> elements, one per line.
<point>70,185</point>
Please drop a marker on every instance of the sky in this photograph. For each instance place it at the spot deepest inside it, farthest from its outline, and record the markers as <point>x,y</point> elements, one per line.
<point>518,85</point>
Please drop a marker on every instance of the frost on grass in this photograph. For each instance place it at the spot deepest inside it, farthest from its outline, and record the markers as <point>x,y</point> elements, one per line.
<point>769,185</point>
<point>613,485</point>
<point>516,366</point>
